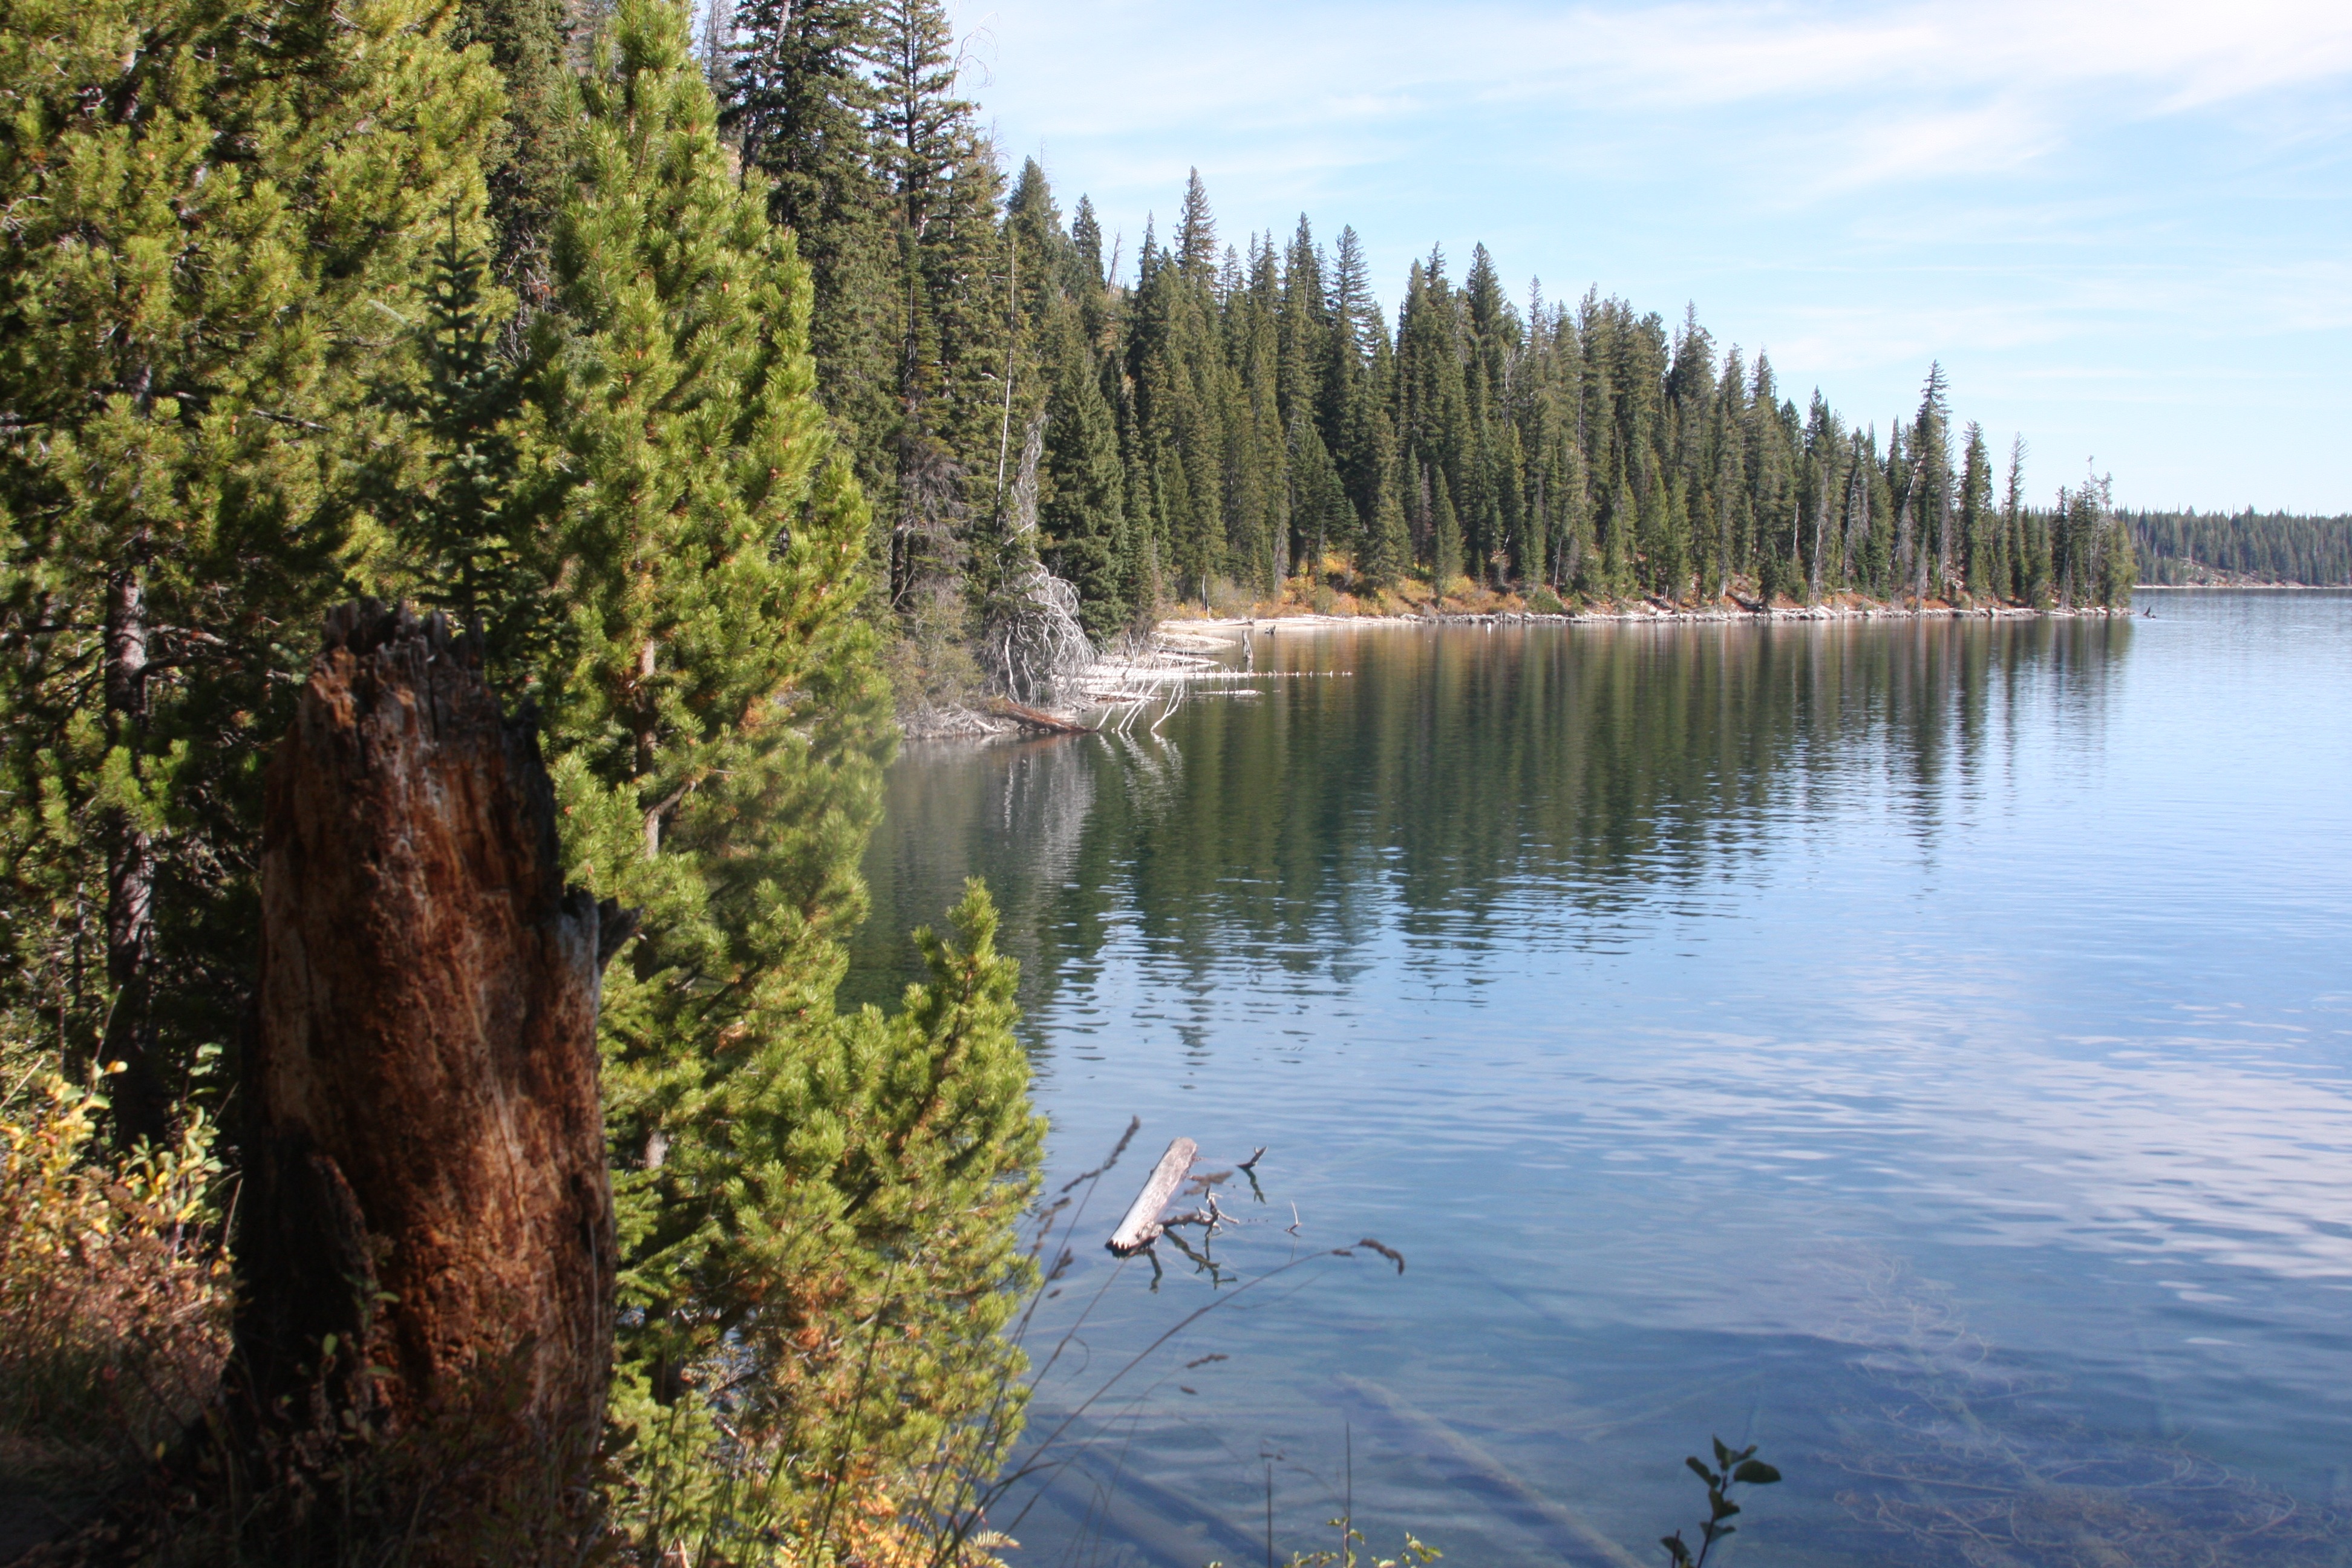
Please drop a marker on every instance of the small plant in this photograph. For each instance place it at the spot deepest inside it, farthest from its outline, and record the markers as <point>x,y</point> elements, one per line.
<point>113,1290</point>
<point>1414,1553</point>
<point>1544,602</point>
<point>1731,1468</point>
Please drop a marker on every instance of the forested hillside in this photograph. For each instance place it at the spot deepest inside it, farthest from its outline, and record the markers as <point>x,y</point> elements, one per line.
<point>1245,412</point>
<point>2190,547</point>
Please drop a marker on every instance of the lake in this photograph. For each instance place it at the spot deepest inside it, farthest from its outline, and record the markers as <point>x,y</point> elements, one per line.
<point>1921,1050</point>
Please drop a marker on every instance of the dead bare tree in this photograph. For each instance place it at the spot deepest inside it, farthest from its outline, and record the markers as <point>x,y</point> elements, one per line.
<point>1036,644</point>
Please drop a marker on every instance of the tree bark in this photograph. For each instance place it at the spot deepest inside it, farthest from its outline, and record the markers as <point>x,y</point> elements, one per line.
<point>425,1243</point>
<point>141,1103</point>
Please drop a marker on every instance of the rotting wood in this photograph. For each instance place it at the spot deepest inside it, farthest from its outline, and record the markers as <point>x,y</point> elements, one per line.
<point>425,1244</point>
<point>1141,1226</point>
<point>1483,1467</point>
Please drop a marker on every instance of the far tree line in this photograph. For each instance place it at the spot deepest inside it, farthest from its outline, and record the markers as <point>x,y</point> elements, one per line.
<point>1238,417</point>
<point>2192,547</point>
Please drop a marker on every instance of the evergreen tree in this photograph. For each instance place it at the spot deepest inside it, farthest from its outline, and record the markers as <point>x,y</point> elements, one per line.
<point>1445,552</point>
<point>215,207</point>
<point>1977,518</point>
<point>1081,508</point>
<point>528,41</point>
<point>800,105</point>
<point>823,1203</point>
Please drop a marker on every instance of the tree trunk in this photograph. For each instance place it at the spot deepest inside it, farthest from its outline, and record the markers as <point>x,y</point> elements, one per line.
<point>426,1231</point>
<point>141,1103</point>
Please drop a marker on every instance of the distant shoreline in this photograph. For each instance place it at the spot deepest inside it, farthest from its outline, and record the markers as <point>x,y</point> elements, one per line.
<point>1188,640</point>
<point>1637,613</point>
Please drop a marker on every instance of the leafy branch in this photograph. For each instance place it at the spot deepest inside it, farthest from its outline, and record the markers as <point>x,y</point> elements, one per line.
<point>1731,1468</point>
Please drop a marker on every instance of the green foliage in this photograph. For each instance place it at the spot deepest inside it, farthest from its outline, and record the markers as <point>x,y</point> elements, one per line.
<point>460,520</point>
<point>1731,1468</point>
<point>526,42</point>
<point>816,1212</point>
<point>260,355</point>
<point>1082,507</point>
<point>114,1297</point>
<point>882,1231</point>
<point>217,212</point>
<point>2272,547</point>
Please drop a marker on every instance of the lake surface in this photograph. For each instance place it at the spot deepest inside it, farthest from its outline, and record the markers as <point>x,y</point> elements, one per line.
<point>1923,1050</point>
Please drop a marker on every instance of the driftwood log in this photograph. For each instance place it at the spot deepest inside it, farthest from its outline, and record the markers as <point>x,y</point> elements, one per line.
<point>425,1237</point>
<point>1037,720</point>
<point>1141,1226</point>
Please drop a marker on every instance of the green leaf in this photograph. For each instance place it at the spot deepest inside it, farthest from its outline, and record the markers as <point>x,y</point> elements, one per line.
<point>1722,1454</point>
<point>1756,1472</point>
<point>1700,1470</point>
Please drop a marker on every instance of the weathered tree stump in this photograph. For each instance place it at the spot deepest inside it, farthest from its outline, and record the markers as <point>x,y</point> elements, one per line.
<point>425,1236</point>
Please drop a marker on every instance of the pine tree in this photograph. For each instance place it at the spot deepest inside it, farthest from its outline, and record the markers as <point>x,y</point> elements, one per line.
<point>720,729</point>
<point>215,210</point>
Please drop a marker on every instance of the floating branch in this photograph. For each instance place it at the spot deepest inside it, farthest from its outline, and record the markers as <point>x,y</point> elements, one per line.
<point>1141,1226</point>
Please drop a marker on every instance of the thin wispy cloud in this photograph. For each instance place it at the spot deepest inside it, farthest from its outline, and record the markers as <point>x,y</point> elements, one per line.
<point>2159,194</point>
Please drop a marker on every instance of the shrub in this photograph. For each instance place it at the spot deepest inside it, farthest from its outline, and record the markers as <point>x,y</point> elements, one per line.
<point>115,1299</point>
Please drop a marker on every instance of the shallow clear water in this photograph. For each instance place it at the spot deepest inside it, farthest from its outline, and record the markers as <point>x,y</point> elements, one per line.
<point>1922,1051</point>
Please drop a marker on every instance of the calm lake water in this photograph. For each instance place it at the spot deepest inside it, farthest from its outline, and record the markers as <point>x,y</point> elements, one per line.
<point>1922,1051</point>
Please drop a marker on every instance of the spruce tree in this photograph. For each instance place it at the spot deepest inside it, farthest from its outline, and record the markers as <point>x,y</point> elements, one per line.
<point>1081,508</point>
<point>1977,519</point>
<point>800,105</point>
<point>1446,550</point>
<point>527,42</point>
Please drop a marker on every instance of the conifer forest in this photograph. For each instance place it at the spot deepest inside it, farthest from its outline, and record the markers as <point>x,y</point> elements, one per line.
<point>1245,414</point>
<point>728,393</point>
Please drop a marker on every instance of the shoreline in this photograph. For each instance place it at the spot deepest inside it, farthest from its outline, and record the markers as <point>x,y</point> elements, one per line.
<point>1182,650</point>
<point>1641,613</point>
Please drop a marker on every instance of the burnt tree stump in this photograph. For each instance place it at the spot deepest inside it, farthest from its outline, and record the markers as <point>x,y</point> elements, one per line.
<point>425,1236</point>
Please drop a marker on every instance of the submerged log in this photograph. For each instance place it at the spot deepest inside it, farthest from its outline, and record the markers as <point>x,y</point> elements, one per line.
<point>1036,720</point>
<point>1141,1226</point>
<point>424,1238</point>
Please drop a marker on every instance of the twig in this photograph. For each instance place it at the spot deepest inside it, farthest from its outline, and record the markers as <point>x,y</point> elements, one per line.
<point>1134,1125</point>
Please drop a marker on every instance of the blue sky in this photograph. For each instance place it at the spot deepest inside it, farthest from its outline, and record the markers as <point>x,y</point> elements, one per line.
<point>2125,230</point>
